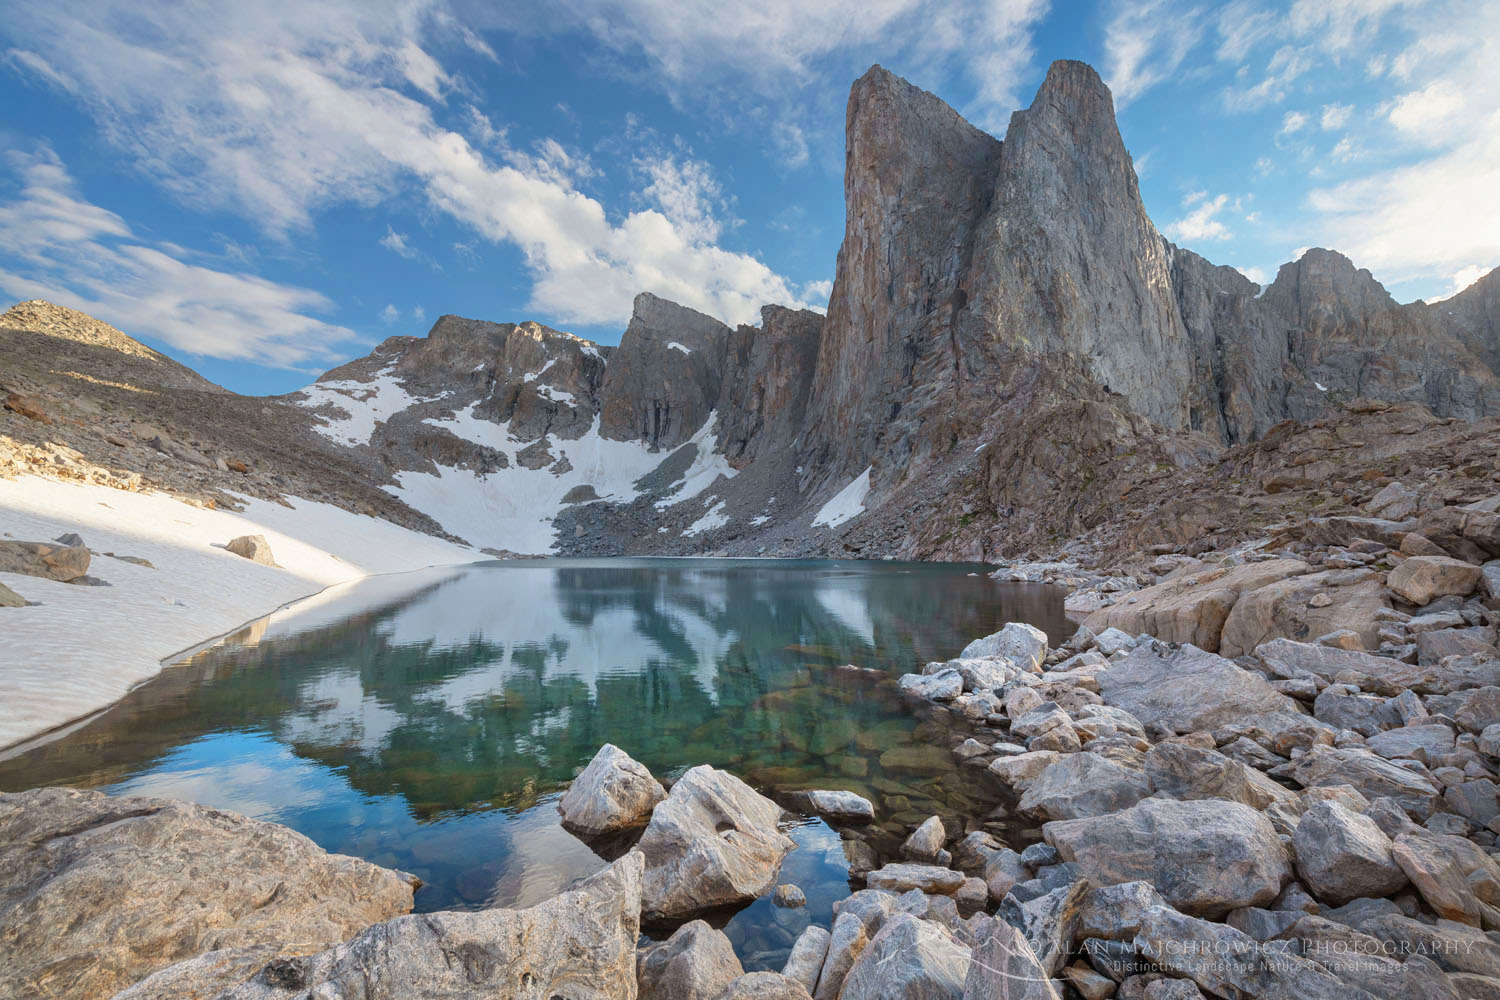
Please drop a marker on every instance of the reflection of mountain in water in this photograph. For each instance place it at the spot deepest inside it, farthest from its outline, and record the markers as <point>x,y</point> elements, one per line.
<point>491,687</point>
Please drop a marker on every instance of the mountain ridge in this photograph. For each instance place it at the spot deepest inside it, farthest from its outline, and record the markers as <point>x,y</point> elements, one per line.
<point>1010,345</point>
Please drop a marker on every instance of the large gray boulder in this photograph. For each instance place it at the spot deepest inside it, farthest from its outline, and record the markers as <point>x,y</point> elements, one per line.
<point>696,963</point>
<point>839,806</point>
<point>1205,857</point>
<point>1311,605</point>
<point>614,792</point>
<point>1342,855</point>
<point>1187,689</point>
<point>1193,606</point>
<point>806,958</point>
<point>1083,784</point>
<point>1371,775</point>
<point>579,944</point>
<point>1423,579</point>
<point>1025,645</point>
<point>712,842</point>
<point>252,547</point>
<point>764,986</point>
<point>909,959</point>
<point>97,892</point>
<point>1003,966</point>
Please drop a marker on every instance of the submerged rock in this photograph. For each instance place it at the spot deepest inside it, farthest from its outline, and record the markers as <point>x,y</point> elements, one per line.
<point>712,842</point>
<point>614,792</point>
<point>97,892</point>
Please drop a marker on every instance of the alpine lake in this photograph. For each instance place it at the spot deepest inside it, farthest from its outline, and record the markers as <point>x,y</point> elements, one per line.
<point>429,721</point>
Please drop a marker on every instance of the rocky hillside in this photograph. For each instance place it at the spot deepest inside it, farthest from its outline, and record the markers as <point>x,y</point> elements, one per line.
<point>1014,361</point>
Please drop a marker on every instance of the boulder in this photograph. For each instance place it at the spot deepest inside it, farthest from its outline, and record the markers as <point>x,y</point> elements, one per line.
<point>835,805</point>
<point>1049,922</point>
<point>580,943</point>
<point>850,935</point>
<point>806,958</point>
<point>764,986</point>
<point>1083,784</point>
<point>252,547</point>
<point>928,878</point>
<point>712,842</point>
<point>1474,709</point>
<point>1489,579</point>
<point>1415,742</point>
<point>1225,962</point>
<point>1421,580</point>
<point>1205,857</point>
<point>45,559</point>
<point>1370,775</point>
<point>944,685</point>
<point>1342,855</point>
<point>1191,606</point>
<point>1113,912</point>
<point>926,841</point>
<point>10,599</point>
<point>196,880</point>
<point>1022,769</point>
<point>1434,647</point>
<point>1455,877</point>
<point>1301,607</point>
<point>1394,502</point>
<point>909,959</point>
<point>1003,966</point>
<point>1023,644</point>
<point>614,792</point>
<point>1361,960</point>
<point>696,963</point>
<point>1187,689</point>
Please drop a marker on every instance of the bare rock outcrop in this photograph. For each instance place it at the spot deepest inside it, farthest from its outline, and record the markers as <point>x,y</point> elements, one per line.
<point>98,892</point>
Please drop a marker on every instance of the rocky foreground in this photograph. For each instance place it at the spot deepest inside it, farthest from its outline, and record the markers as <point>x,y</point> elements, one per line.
<point>1273,772</point>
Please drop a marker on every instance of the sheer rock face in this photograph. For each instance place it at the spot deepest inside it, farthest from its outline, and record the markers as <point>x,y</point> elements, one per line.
<point>664,380</point>
<point>197,880</point>
<point>767,381</point>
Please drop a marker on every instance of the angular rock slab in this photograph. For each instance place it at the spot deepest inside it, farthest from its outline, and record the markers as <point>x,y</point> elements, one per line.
<point>579,944</point>
<point>1371,776</point>
<point>1022,644</point>
<point>1188,689</point>
<point>1002,966</point>
<point>1423,579</point>
<point>614,792</point>
<point>1083,784</point>
<point>764,986</point>
<point>696,963</point>
<point>196,880</point>
<point>909,959</point>
<point>712,842</point>
<point>1342,855</point>
<point>1205,856</point>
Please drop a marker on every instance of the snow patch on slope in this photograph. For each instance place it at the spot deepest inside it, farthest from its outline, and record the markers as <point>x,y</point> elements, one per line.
<point>713,518</point>
<point>513,508</point>
<point>847,504</point>
<point>367,404</point>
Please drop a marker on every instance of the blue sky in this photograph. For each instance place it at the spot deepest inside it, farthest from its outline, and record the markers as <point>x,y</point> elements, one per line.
<point>265,190</point>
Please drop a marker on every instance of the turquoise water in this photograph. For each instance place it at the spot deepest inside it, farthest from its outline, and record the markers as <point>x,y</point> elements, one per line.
<point>428,721</point>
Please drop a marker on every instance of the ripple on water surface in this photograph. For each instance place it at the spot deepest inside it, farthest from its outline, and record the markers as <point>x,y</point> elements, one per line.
<point>428,721</point>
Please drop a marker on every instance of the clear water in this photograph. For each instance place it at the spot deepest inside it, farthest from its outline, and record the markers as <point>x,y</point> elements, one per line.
<point>428,721</point>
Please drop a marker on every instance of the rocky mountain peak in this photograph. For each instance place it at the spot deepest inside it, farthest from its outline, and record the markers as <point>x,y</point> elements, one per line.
<point>96,347</point>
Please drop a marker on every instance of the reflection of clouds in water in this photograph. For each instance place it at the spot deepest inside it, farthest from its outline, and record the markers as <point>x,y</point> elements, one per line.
<point>336,711</point>
<point>544,858</point>
<point>263,780</point>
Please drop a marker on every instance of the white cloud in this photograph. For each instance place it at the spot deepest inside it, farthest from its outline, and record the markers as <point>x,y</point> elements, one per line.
<point>396,243</point>
<point>1202,222</point>
<point>1144,43</point>
<point>1462,279</point>
<point>1255,274</point>
<point>1293,121</point>
<point>1335,116</point>
<point>1287,64</point>
<point>281,109</point>
<point>1242,25</point>
<point>418,313</point>
<point>29,62</point>
<point>1435,216</point>
<point>818,291</point>
<point>389,314</point>
<point>81,255</point>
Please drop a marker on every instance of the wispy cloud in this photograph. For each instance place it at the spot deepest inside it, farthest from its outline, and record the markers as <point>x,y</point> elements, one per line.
<point>280,110</point>
<point>58,246</point>
<point>1144,43</point>
<point>1202,221</point>
<point>396,243</point>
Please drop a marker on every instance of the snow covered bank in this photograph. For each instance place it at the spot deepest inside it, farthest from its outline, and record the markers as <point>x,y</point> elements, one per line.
<point>83,647</point>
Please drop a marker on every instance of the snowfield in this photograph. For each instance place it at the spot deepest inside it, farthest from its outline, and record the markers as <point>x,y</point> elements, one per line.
<point>82,648</point>
<point>847,504</point>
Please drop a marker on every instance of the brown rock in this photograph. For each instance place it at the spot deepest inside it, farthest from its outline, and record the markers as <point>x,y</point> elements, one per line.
<point>1307,606</point>
<point>1192,606</point>
<point>252,547</point>
<point>1423,579</point>
<point>44,559</point>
